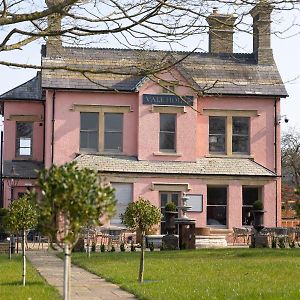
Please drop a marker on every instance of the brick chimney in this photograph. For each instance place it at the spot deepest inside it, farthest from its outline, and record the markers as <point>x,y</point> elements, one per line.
<point>261,14</point>
<point>54,43</point>
<point>220,32</point>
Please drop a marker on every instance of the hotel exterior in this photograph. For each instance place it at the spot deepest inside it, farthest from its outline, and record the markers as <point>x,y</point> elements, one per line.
<point>208,125</point>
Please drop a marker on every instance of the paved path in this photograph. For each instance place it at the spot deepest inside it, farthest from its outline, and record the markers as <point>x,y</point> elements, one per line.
<point>84,285</point>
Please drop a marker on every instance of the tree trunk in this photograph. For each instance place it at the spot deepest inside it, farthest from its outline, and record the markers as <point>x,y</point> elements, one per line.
<point>67,264</point>
<point>88,243</point>
<point>24,258</point>
<point>142,259</point>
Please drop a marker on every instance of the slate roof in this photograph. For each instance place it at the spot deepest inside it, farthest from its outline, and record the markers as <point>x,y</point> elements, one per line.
<point>23,168</point>
<point>203,166</point>
<point>30,90</point>
<point>221,74</point>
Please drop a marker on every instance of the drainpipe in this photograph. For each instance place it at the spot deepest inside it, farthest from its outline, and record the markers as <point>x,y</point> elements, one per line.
<point>53,120</point>
<point>275,157</point>
<point>1,172</point>
<point>44,137</point>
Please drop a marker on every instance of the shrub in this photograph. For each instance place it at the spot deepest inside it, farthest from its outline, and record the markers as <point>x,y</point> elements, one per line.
<point>102,248</point>
<point>292,244</point>
<point>151,247</point>
<point>122,247</point>
<point>113,249</point>
<point>170,206</point>
<point>258,205</point>
<point>132,247</point>
<point>281,243</point>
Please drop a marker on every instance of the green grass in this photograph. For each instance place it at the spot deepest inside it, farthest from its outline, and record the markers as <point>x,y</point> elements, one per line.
<point>203,274</point>
<point>11,282</point>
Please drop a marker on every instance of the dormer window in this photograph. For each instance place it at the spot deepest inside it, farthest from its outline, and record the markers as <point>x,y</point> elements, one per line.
<point>24,139</point>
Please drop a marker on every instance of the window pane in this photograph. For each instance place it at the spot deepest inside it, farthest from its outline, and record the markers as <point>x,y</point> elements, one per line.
<point>113,122</point>
<point>89,136</point>
<point>167,122</point>
<point>25,151</point>
<point>247,216</point>
<point>217,125</point>
<point>89,121</point>
<point>25,142</point>
<point>93,140</point>
<point>83,139</point>
<point>240,134</point>
<point>250,195</point>
<point>113,141</point>
<point>216,215</point>
<point>217,128</point>
<point>217,143</point>
<point>240,125</point>
<point>24,129</point>
<point>123,194</point>
<point>175,198</point>
<point>24,138</point>
<point>167,141</point>
<point>163,199</point>
<point>168,89</point>
<point>240,144</point>
<point>217,196</point>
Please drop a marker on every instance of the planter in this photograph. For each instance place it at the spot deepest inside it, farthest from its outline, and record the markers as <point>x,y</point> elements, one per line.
<point>170,221</point>
<point>258,220</point>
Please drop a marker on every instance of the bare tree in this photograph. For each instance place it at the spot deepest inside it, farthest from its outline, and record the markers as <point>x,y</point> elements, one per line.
<point>291,155</point>
<point>132,24</point>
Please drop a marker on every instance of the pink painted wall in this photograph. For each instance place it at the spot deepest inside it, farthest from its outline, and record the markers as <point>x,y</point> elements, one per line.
<point>148,133</point>
<point>21,187</point>
<point>261,127</point>
<point>20,108</point>
<point>142,187</point>
<point>67,122</point>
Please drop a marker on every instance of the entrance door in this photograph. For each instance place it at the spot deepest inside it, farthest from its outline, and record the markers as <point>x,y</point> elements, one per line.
<point>166,197</point>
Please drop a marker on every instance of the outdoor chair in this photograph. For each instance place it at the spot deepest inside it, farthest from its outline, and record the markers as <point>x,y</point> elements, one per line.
<point>297,234</point>
<point>241,233</point>
<point>281,233</point>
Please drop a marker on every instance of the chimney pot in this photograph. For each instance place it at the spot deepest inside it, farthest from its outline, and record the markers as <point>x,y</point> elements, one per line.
<point>220,32</point>
<point>261,14</point>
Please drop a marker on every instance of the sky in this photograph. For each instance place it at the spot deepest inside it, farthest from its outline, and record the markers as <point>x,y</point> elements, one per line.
<point>285,48</point>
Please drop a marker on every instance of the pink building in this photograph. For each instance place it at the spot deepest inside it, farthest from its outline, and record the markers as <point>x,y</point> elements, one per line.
<point>207,126</point>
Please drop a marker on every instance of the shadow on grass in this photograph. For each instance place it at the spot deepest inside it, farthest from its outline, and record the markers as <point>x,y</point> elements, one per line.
<point>19,282</point>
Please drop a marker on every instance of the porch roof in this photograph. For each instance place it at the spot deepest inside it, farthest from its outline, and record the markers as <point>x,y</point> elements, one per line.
<point>27,169</point>
<point>203,166</point>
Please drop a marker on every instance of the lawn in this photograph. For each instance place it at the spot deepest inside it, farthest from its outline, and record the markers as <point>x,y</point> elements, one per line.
<point>203,274</point>
<point>11,282</point>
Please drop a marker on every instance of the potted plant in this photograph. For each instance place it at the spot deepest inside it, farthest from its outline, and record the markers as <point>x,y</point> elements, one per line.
<point>258,213</point>
<point>170,214</point>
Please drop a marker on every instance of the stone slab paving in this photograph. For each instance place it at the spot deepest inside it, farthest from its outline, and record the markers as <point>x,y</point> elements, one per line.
<point>84,285</point>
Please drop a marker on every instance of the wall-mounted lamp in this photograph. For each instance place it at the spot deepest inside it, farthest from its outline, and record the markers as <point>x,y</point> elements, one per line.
<point>281,117</point>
